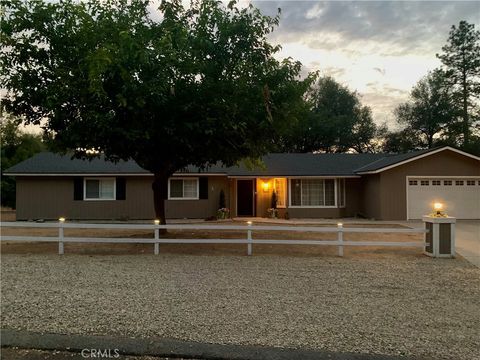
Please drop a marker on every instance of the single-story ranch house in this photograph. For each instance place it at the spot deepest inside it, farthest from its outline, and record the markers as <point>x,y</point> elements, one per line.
<point>379,186</point>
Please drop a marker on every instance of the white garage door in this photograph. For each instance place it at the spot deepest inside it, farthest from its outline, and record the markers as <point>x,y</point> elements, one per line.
<point>460,196</point>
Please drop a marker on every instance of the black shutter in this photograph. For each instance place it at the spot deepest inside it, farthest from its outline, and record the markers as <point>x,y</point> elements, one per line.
<point>78,188</point>
<point>121,188</point>
<point>203,187</point>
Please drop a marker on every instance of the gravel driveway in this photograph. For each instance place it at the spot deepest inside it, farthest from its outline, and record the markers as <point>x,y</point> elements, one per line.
<point>410,305</point>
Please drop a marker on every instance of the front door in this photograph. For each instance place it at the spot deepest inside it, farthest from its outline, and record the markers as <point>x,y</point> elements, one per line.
<point>245,197</point>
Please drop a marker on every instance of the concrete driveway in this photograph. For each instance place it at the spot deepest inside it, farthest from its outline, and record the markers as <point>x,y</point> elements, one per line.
<point>468,240</point>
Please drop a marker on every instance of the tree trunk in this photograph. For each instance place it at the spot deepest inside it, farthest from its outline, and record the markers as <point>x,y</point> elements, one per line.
<point>160,194</point>
<point>466,127</point>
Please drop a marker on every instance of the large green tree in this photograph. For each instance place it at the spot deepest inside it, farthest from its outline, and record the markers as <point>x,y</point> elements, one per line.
<point>333,120</point>
<point>195,85</point>
<point>428,114</point>
<point>16,146</point>
<point>461,59</point>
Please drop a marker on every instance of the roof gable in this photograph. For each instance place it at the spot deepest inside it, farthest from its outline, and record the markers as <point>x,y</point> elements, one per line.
<point>389,162</point>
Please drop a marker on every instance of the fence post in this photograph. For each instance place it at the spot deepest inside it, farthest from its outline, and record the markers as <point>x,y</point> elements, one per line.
<point>340,239</point>
<point>156,246</point>
<point>249,239</point>
<point>61,221</point>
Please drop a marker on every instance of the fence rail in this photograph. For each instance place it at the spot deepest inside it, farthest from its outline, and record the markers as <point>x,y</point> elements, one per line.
<point>249,240</point>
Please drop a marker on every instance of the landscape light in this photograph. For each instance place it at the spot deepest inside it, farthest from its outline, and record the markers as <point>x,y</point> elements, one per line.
<point>438,207</point>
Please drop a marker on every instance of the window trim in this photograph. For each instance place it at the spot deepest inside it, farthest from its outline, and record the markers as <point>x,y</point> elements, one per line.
<point>183,188</point>
<point>344,193</point>
<point>99,179</point>
<point>314,206</point>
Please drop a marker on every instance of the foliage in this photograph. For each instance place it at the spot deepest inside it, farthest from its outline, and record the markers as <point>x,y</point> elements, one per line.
<point>333,120</point>
<point>400,141</point>
<point>428,114</point>
<point>200,85</point>
<point>461,59</point>
<point>16,147</point>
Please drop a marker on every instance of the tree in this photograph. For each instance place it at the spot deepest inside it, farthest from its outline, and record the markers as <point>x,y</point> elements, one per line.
<point>400,142</point>
<point>461,58</point>
<point>428,113</point>
<point>16,147</point>
<point>333,120</point>
<point>199,86</point>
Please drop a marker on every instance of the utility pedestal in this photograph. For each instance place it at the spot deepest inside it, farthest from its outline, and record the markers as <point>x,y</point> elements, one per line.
<point>440,236</point>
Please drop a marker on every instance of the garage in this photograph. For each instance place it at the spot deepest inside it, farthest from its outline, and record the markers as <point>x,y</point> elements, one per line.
<point>460,196</point>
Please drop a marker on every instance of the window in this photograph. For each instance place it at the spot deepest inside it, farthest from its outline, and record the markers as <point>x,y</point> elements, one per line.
<point>447,182</point>
<point>183,189</point>
<point>436,182</point>
<point>470,182</point>
<point>99,189</point>
<point>280,187</point>
<point>313,192</point>
<point>459,182</point>
<point>341,192</point>
<point>413,182</point>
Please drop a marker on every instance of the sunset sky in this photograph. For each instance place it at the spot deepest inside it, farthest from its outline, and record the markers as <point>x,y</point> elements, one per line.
<point>379,48</point>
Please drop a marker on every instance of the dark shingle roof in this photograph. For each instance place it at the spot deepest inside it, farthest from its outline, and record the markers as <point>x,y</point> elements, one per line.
<point>390,159</point>
<point>275,165</point>
<point>308,165</point>
<point>50,163</point>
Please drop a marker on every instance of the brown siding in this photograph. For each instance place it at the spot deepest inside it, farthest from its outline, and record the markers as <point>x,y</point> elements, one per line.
<point>315,213</point>
<point>370,197</point>
<point>52,197</point>
<point>353,197</point>
<point>393,193</point>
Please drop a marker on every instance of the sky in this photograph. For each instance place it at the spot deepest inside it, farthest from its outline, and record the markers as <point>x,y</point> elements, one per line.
<point>378,48</point>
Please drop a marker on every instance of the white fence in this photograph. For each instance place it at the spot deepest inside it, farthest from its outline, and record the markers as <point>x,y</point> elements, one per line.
<point>248,240</point>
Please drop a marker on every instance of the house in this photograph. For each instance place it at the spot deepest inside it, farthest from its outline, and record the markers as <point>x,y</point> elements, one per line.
<point>379,186</point>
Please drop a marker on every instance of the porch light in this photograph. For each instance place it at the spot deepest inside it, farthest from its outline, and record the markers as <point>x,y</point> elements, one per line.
<point>62,219</point>
<point>156,222</point>
<point>265,186</point>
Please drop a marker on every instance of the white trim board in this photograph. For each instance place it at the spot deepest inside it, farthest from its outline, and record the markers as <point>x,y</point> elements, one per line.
<point>419,157</point>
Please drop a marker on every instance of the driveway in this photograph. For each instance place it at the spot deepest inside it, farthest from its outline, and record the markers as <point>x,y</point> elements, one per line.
<point>468,240</point>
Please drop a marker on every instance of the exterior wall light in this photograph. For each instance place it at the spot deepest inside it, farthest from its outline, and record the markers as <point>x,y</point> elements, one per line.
<point>61,219</point>
<point>249,223</point>
<point>266,186</point>
<point>156,222</point>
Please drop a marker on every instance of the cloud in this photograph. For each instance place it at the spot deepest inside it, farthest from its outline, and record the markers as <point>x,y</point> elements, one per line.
<point>379,48</point>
